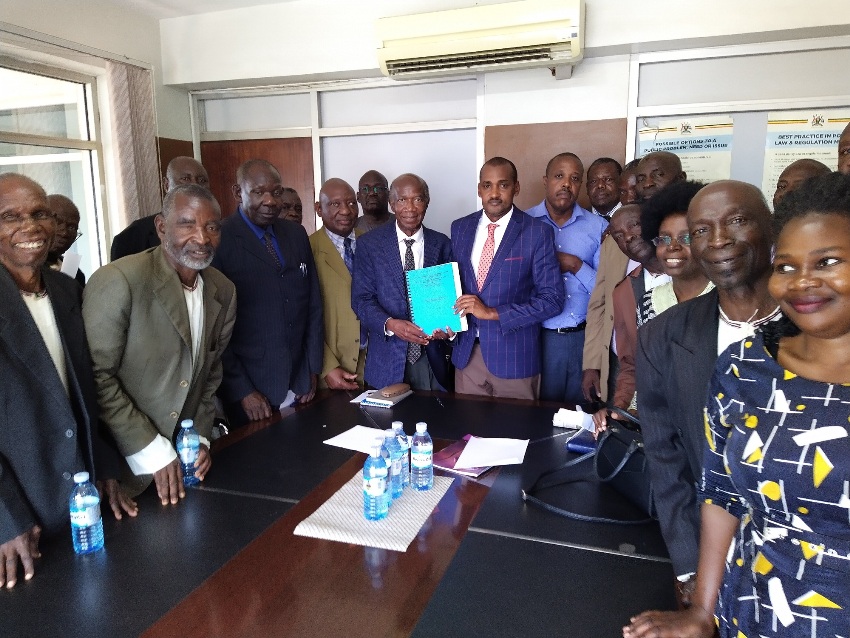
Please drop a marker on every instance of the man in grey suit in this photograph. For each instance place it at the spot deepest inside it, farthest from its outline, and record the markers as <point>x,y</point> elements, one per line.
<point>729,224</point>
<point>275,355</point>
<point>158,322</point>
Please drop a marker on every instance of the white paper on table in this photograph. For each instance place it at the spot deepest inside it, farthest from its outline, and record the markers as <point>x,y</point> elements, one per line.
<point>70,264</point>
<point>359,438</point>
<point>485,452</point>
<point>573,419</point>
<point>362,396</point>
<point>288,400</point>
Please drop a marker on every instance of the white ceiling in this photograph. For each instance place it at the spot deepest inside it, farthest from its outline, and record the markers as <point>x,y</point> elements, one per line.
<point>174,8</point>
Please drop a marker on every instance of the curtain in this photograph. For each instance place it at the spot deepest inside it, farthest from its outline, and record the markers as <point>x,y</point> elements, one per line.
<point>134,140</point>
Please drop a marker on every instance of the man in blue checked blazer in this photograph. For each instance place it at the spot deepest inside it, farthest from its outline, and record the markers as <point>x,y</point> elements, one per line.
<point>511,280</point>
<point>398,350</point>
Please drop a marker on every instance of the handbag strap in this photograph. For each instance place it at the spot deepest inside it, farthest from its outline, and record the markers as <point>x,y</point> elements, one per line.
<point>528,495</point>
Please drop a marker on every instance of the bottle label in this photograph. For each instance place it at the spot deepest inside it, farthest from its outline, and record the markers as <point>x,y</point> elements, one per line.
<point>397,467</point>
<point>375,486</point>
<point>85,517</point>
<point>421,459</point>
<point>188,455</point>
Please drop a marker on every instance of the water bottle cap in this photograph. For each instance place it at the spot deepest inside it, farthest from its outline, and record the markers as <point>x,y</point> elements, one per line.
<point>81,477</point>
<point>186,423</point>
<point>376,449</point>
<point>389,434</point>
<point>398,425</point>
<point>421,427</point>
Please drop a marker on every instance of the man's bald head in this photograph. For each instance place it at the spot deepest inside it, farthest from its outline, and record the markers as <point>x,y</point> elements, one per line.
<point>655,170</point>
<point>67,223</point>
<point>730,227</point>
<point>337,206</point>
<point>795,174</point>
<point>185,170</point>
<point>10,181</point>
<point>373,194</point>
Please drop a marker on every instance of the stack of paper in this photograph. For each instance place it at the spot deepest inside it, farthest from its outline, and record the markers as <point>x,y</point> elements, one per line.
<point>481,452</point>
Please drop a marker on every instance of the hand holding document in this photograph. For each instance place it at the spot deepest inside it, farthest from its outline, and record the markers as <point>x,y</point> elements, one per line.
<point>480,452</point>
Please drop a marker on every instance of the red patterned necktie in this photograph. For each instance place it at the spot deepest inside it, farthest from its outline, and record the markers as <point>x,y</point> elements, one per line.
<point>487,255</point>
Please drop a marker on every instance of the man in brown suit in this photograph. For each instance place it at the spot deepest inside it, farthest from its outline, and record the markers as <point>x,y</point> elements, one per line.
<point>333,248</point>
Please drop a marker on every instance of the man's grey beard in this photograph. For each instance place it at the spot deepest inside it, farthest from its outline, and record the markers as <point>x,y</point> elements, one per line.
<point>184,259</point>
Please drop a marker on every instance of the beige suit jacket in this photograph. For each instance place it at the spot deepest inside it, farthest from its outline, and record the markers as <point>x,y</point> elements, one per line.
<point>342,329</point>
<point>138,329</point>
<point>600,311</point>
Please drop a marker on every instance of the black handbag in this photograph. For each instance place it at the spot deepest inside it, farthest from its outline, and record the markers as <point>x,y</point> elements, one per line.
<point>618,460</point>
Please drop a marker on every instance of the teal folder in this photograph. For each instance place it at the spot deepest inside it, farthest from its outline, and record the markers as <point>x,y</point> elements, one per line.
<point>432,293</point>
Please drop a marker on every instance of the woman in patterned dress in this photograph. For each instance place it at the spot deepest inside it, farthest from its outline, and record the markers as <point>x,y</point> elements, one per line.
<point>775,534</point>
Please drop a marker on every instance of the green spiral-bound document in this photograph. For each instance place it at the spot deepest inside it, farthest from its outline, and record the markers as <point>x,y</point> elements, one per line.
<point>432,293</point>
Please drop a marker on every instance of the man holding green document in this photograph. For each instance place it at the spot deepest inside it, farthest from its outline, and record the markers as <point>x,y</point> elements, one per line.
<point>399,350</point>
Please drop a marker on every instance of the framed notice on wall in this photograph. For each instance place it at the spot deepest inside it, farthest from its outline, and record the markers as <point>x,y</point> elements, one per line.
<point>793,135</point>
<point>704,144</point>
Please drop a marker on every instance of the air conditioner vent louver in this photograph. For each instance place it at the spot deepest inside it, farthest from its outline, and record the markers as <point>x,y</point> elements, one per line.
<point>471,61</point>
<point>492,37</point>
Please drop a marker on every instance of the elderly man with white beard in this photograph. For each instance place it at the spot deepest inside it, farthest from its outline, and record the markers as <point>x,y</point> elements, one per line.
<point>157,324</point>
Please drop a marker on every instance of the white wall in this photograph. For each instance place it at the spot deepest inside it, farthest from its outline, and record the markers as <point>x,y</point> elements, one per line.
<point>119,31</point>
<point>322,39</point>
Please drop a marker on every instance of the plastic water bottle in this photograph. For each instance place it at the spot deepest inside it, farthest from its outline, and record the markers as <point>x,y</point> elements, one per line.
<point>188,448</point>
<point>385,454</point>
<point>86,524</point>
<point>422,459</point>
<point>404,444</point>
<point>376,497</point>
<point>396,479</point>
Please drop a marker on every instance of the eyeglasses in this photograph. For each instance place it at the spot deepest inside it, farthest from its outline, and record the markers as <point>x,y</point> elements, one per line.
<point>74,228</point>
<point>683,240</point>
<point>365,190</point>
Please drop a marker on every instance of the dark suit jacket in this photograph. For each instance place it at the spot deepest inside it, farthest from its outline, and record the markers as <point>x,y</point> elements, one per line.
<point>44,437</point>
<point>675,360</point>
<point>524,284</point>
<point>378,293</point>
<point>277,341</point>
<point>138,236</point>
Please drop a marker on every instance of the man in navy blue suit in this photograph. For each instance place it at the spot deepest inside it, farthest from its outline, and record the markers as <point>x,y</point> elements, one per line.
<point>398,349</point>
<point>275,353</point>
<point>512,281</point>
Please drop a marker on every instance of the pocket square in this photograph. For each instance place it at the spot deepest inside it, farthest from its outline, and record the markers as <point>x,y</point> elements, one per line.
<point>514,259</point>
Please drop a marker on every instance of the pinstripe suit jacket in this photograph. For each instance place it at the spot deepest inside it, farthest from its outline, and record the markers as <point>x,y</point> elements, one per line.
<point>524,284</point>
<point>378,293</point>
<point>676,354</point>
<point>277,340</point>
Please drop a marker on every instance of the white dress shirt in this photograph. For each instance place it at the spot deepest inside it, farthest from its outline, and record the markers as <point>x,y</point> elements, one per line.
<point>418,246</point>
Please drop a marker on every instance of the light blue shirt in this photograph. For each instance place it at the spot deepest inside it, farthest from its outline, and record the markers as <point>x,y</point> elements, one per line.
<point>580,236</point>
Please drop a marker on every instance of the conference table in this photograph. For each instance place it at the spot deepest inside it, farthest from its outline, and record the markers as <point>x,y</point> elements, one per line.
<point>225,561</point>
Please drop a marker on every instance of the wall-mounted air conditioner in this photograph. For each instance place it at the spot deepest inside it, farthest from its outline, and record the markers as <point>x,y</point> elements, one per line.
<point>493,37</point>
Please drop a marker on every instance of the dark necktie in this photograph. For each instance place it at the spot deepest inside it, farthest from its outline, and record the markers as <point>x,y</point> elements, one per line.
<point>267,238</point>
<point>414,350</point>
<point>348,255</point>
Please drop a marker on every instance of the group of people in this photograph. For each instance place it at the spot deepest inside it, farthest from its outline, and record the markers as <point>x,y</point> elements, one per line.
<point>663,288</point>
